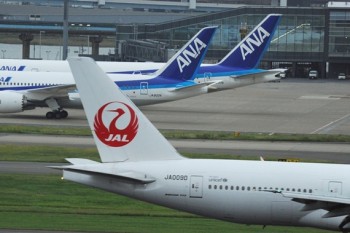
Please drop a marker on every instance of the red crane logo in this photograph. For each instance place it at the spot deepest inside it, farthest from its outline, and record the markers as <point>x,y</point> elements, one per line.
<point>122,127</point>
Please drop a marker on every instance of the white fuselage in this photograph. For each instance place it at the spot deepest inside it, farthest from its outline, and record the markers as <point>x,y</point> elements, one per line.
<point>238,191</point>
<point>141,92</point>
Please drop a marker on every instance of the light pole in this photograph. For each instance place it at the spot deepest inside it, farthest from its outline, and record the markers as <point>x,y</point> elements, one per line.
<point>3,53</point>
<point>41,32</point>
<point>88,43</point>
<point>47,54</point>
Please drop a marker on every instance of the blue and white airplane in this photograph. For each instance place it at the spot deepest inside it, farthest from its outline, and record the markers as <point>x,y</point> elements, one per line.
<point>138,162</point>
<point>21,91</point>
<point>238,68</point>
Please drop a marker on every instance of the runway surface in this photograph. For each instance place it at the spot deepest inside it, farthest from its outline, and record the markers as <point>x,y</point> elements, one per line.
<point>291,106</point>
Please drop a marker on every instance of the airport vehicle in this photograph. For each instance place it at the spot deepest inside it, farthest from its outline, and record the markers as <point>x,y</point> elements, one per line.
<point>238,68</point>
<point>313,74</point>
<point>341,76</point>
<point>21,91</point>
<point>138,162</point>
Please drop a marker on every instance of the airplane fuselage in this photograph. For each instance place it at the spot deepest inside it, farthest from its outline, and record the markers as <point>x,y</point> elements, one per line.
<point>247,192</point>
<point>221,77</point>
<point>141,89</point>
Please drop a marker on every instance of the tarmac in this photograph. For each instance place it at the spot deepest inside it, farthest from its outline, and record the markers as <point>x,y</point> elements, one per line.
<point>290,106</point>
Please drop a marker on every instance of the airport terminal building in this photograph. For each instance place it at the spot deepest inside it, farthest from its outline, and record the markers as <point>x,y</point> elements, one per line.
<point>312,35</point>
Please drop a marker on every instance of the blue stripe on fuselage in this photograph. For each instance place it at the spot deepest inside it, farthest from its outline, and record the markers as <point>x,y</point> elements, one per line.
<point>155,83</point>
<point>214,70</point>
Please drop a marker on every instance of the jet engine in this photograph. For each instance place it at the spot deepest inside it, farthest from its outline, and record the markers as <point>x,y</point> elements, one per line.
<point>11,102</point>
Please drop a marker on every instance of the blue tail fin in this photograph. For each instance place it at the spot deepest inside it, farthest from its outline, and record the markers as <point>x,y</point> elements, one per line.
<point>248,53</point>
<point>184,64</point>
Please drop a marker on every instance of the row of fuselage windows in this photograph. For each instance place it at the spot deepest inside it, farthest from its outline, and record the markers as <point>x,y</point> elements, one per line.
<point>248,188</point>
<point>27,84</point>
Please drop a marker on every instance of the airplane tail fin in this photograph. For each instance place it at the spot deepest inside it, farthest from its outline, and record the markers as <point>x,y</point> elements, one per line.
<point>248,53</point>
<point>185,63</point>
<point>121,132</point>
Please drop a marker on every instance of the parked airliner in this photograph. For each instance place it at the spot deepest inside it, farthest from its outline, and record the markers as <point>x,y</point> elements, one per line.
<point>138,162</point>
<point>21,91</point>
<point>238,68</point>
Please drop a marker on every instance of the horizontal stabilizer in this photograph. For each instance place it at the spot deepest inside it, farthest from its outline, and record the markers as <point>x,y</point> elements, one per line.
<point>193,87</point>
<point>129,176</point>
<point>81,161</point>
<point>268,75</point>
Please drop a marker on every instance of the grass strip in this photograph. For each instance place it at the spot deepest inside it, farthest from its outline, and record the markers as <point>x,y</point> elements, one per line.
<point>58,154</point>
<point>51,154</point>
<point>39,202</point>
<point>182,134</point>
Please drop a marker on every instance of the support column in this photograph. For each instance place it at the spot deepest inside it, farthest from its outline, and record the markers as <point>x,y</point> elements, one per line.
<point>243,30</point>
<point>95,45</point>
<point>294,69</point>
<point>26,38</point>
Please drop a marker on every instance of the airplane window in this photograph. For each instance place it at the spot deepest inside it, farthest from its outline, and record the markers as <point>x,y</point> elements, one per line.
<point>226,187</point>
<point>287,189</point>
<point>220,186</point>
<point>243,188</point>
<point>237,187</point>
<point>209,186</point>
<point>259,188</point>
<point>215,187</point>
<point>304,190</point>
<point>293,189</point>
<point>299,190</point>
<point>248,188</point>
<point>310,190</point>
<point>231,187</point>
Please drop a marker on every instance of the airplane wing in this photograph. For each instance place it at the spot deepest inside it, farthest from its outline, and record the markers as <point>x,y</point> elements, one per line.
<point>53,91</point>
<point>336,206</point>
<point>306,198</point>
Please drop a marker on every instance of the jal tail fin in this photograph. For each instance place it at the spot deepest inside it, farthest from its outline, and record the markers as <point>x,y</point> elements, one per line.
<point>185,63</point>
<point>248,53</point>
<point>121,132</point>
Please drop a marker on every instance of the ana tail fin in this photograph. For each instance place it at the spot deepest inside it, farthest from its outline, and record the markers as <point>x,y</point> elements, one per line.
<point>185,63</point>
<point>121,132</point>
<point>248,53</point>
